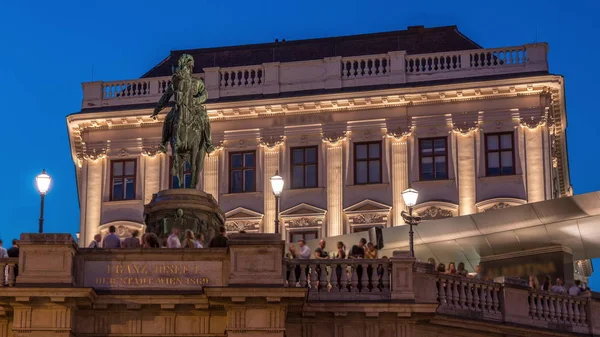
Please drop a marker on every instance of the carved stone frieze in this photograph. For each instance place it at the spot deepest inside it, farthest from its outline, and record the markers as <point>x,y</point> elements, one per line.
<point>271,142</point>
<point>150,151</point>
<point>432,213</point>
<point>242,225</point>
<point>367,218</point>
<point>93,155</point>
<point>465,128</point>
<point>554,162</point>
<point>303,222</point>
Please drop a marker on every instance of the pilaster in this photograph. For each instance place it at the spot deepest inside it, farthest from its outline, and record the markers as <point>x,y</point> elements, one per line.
<point>93,198</point>
<point>151,176</point>
<point>335,181</point>
<point>211,174</point>
<point>466,172</point>
<point>271,166</point>
<point>399,177</point>
<point>535,164</point>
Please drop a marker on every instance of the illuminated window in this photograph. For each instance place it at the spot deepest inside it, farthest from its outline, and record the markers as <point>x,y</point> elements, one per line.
<point>187,176</point>
<point>304,167</point>
<point>308,235</point>
<point>433,158</point>
<point>499,154</point>
<point>123,173</point>
<point>242,172</point>
<point>367,163</point>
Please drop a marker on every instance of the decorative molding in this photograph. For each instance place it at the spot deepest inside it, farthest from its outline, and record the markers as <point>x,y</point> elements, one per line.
<point>92,155</point>
<point>367,218</point>
<point>150,151</point>
<point>399,133</point>
<point>533,122</point>
<point>335,137</point>
<point>465,128</point>
<point>498,203</point>
<point>242,225</point>
<point>271,142</point>
<point>433,213</point>
<point>303,222</point>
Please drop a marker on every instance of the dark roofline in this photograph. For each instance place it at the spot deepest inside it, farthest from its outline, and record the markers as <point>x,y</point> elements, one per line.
<point>411,30</point>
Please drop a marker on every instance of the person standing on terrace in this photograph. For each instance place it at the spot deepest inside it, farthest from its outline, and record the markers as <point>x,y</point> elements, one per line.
<point>111,240</point>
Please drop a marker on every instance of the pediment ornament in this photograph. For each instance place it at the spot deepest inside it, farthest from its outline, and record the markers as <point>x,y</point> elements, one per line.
<point>399,133</point>
<point>465,128</point>
<point>367,218</point>
<point>241,225</point>
<point>334,137</point>
<point>533,122</point>
<point>433,212</point>
<point>303,222</point>
<point>271,142</point>
<point>499,205</point>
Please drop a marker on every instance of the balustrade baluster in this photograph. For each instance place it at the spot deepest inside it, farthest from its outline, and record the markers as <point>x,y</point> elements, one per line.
<point>455,299</point>
<point>313,277</point>
<point>354,278</point>
<point>485,299</point>
<point>11,278</point>
<point>552,308</point>
<point>582,313</point>
<point>469,290</point>
<point>449,292</point>
<point>558,309</point>
<point>570,318</point>
<point>441,291</point>
<point>476,301</point>
<point>385,278</point>
<point>367,278</point>
<point>292,279</point>
<point>565,315</point>
<point>462,296</point>
<point>334,278</point>
<point>303,275</point>
<point>344,278</point>
<point>3,276</point>
<point>532,306</point>
<point>323,286</point>
<point>495,301</point>
<point>576,313</point>
<point>546,308</point>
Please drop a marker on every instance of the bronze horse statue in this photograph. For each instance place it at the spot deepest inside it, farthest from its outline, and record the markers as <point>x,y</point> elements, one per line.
<point>186,126</point>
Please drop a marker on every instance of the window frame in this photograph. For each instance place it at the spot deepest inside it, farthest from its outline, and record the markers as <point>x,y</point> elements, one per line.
<point>367,160</point>
<point>243,168</point>
<point>112,177</point>
<point>433,155</point>
<point>303,233</point>
<point>499,151</point>
<point>304,164</point>
<point>184,174</point>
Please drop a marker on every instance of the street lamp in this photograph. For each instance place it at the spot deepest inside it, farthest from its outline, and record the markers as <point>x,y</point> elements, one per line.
<point>43,184</point>
<point>410,200</point>
<point>277,186</point>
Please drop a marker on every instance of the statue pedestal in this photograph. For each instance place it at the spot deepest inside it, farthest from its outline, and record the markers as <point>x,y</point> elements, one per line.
<point>186,209</point>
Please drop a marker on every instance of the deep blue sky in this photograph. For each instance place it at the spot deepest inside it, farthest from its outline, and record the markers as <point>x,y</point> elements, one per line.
<point>47,48</point>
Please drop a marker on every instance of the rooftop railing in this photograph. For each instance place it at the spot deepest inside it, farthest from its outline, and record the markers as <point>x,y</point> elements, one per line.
<point>329,73</point>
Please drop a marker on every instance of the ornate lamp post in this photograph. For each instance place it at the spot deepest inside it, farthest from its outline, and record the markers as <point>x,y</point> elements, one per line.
<point>43,184</point>
<point>277,186</point>
<point>410,200</point>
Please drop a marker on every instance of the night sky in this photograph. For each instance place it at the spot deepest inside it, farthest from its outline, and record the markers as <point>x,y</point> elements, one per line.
<point>48,48</point>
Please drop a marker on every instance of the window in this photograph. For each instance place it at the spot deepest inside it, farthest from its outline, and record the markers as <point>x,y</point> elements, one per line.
<point>297,236</point>
<point>304,167</point>
<point>367,163</point>
<point>187,176</point>
<point>242,172</point>
<point>499,154</point>
<point>433,158</point>
<point>122,179</point>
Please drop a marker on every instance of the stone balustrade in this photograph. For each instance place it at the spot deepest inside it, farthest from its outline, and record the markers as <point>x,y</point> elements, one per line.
<point>330,73</point>
<point>338,279</point>
<point>8,271</point>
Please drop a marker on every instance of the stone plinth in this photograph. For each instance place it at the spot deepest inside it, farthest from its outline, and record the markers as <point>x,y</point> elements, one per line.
<point>46,259</point>
<point>402,276</point>
<point>184,208</point>
<point>256,259</point>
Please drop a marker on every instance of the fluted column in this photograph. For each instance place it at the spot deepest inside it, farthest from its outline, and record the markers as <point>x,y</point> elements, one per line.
<point>151,176</point>
<point>399,177</point>
<point>466,172</point>
<point>271,165</point>
<point>535,164</point>
<point>335,181</point>
<point>92,199</point>
<point>211,174</point>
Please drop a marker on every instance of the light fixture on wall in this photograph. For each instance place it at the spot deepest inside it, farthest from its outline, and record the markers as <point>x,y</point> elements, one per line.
<point>410,200</point>
<point>277,186</point>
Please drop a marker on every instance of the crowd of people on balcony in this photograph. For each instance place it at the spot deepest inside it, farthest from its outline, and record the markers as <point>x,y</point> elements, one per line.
<point>362,250</point>
<point>151,240</point>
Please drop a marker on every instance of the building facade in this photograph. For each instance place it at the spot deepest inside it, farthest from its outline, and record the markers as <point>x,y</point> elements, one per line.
<point>348,122</point>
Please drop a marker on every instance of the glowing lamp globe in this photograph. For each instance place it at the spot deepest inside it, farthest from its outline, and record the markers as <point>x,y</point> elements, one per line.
<point>410,197</point>
<point>43,182</point>
<point>277,184</point>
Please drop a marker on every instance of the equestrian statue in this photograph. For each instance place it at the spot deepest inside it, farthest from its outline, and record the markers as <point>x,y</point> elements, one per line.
<point>186,127</point>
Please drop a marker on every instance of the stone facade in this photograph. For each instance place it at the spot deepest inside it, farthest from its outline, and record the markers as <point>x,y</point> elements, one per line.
<point>395,105</point>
